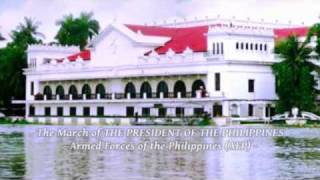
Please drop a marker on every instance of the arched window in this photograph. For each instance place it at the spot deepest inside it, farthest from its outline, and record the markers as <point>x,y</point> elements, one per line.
<point>247,46</point>
<point>256,46</point>
<point>251,46</point>
<point>162,87</point>
<point>198,85</point>
<point>101,90</point>
<point>261,47</point>
<point>60,92</point>
<point>237,45</point>
<point>86,90</point>
<point>241,46</point>
<point>73,91</point>
<point>47,92</point>
<point>179,86</point>
<point>218,48</point>
<point>130,88</point>
<point>146,88</point>
<point>265,47</point>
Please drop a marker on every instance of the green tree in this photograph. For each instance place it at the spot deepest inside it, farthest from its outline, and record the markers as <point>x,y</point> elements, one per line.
<point>295,82</point>
<point>13,59</point>
<point>77,31</point>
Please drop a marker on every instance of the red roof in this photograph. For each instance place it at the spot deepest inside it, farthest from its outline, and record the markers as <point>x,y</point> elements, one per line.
<point>85,55</point>
<point>181,38</point>
<point>285,32</point>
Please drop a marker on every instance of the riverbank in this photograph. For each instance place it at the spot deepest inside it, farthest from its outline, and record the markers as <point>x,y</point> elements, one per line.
<point>11,121</point>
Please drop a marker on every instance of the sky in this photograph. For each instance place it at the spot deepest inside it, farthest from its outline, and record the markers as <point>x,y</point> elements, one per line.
<point>47,12</point>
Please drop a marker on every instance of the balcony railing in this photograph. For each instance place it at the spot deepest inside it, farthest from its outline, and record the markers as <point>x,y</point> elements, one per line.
<point>112,96</point>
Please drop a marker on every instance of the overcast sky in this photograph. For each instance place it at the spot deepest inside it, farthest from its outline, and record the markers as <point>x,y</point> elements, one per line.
<point>47,12</point>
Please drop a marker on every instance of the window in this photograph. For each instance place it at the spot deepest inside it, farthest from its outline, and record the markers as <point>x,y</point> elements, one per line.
<point>179,111</point>
<point>47,111</point>
<point>256,46</point>
<point>32,88</point>
<point>31,110</point>
<point>213,48</point>
<point>250,110</point>
<point>145,111</point>
<point>60,111</point>
<point>162,112</point>
<point>241,45</point>
<point>251,46</point>
<point>222,50</point>
<point>218,48</point>
<point>217,110</point>
<point>247,46</point>
<point>217,81</point>
<point>100,111</point>
<point>237,45</point>
<point>265,47</point>
<point>86,111</point>
<point>260,47</point>
<point>130,111</point>
<point>198,111</point>
<point>73,111</point>
<point>251,85</point>
<point>269,111</point>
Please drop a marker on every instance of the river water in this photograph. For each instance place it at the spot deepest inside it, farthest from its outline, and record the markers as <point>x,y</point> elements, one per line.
<point>26,155</point>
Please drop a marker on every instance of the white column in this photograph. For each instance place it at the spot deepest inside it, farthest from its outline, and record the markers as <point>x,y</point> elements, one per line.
<point>98,96</point>
<point>225,108</point>
<point>198,94</point>
<point>70,97</point>
<point>161,95</point>
<point>179,95</point>
<point>84,96</point>
<point>57,97</point>
<point>144,95</point>
<point>27,110</point>
<point>45,97</point>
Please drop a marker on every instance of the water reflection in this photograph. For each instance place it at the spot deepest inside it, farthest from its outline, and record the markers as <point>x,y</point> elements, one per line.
<point>12,155</point>
<point>23,154</point>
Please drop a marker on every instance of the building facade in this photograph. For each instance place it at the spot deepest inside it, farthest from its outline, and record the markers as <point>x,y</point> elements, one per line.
<point>184,69</point>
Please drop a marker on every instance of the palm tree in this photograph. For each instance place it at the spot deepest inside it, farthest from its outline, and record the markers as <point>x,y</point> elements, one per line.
<point>13,59</point>
<point>26,33</point>
<point>77,31</point>
<point>294,80</point>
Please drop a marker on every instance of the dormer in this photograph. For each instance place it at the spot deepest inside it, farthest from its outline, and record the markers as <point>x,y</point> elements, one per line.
<point>245,42</point>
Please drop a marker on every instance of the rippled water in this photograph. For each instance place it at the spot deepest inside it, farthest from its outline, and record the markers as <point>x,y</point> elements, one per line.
<point>25,155</point>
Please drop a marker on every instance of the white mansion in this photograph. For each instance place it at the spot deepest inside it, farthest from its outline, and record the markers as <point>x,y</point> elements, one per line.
<point>179,69</point>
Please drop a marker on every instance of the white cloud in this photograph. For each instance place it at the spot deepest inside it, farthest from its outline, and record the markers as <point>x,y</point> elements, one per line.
<point>141,11</point>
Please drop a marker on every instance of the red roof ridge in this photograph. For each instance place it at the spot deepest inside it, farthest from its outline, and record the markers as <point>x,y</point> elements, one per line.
<point>280,33</point>
<point>181,37</point>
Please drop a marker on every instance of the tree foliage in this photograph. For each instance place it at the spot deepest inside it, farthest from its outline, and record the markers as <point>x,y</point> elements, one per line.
<point>13,59</point>
<point>77,31</point>
<point>294,74</point>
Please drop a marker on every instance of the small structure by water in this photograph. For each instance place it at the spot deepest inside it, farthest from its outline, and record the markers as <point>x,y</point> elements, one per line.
<point>296,118</point>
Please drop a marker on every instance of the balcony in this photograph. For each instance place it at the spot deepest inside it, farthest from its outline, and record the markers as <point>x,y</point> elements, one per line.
<point>122,96</point>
